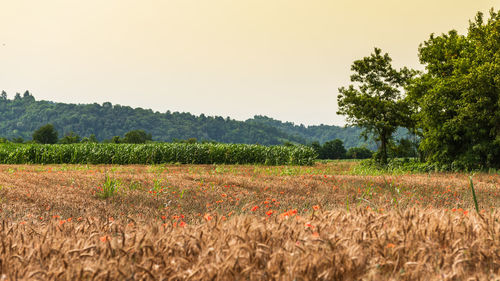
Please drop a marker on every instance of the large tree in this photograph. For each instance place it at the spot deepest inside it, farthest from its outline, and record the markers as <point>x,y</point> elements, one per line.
<point>458,96</point>
<point>375,102</point>
<point>333,149</point>
<point>45,134</point>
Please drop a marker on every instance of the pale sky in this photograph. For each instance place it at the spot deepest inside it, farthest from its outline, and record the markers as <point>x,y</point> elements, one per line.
<point>282,58</point>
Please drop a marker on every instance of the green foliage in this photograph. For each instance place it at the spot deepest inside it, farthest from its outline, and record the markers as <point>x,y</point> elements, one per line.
<point>317,147</point>
<point>109,187</point>
<point>70,138</point>
<point>394,166</point>
<point>458,97</point>
<point>359,153</point>
<point>91,139</point>
<point>45,134</point>
<point>137,136</point>
<point>190,140</point>
<point>404,148</point>
<point>375,102</point>
<point>115,139</point>
<point>17,140</point>
<point>155,153</point>
<point>22,116</point>
<point>333,149</point>
<point>471,184</point>
<point>134,185</point>
<point>350,136</point>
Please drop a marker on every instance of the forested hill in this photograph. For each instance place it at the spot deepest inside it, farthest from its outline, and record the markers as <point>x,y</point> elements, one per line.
<point>321,133</point>
<point>22,115</point>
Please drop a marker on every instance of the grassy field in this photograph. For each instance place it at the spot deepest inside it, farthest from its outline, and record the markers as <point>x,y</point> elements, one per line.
<point>229,222</point>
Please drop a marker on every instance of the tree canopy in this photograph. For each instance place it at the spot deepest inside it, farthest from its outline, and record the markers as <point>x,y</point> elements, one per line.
<point>333,149</point>
<point>137,136</point>
<point>375,102</point>
<point>359,153</point>
<point>70,137</point>
<point>457,100</point>
<point>45,134</point>
<point>22,115</point>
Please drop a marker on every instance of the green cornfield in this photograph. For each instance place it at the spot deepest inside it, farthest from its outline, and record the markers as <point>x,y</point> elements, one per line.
<point>155,153</point>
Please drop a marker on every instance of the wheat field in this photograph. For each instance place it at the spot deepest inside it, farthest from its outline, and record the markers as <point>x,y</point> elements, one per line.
<point>245,222</point>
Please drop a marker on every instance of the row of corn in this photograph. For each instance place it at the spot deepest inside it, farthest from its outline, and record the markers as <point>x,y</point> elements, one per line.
<point>155,153</point>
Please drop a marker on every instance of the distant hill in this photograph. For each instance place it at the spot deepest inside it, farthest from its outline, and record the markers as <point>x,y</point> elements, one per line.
<point>20,116</point>
<point>321,133</point>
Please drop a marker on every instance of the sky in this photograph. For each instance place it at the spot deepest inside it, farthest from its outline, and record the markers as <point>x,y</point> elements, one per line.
<point>284,59</point>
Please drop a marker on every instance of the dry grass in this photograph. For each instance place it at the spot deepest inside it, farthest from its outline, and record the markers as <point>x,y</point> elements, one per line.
<point>329,246</point>
<point>245,222</point>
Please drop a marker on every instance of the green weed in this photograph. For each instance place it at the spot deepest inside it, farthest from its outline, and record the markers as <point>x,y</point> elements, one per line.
<point>109,188</point>
<point>473,194</point>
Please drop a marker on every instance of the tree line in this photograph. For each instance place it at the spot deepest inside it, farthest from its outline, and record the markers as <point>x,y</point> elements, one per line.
<point>452,108</point>
<point>47,134</point>
<point>21,115</point>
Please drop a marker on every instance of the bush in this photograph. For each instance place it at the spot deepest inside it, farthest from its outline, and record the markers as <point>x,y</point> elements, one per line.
<point>359,153</point>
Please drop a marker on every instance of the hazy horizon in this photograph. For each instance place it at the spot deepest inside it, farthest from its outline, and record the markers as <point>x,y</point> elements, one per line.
<point>282,59</point>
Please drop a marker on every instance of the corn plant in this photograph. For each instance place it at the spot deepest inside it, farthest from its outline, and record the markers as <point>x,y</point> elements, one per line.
<point>134,185</point>
<point>109,188</point>
<point>157,188</point>
<point>155,153</point>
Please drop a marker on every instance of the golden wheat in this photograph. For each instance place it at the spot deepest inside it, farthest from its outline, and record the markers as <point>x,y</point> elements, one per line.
<point>245,223</point>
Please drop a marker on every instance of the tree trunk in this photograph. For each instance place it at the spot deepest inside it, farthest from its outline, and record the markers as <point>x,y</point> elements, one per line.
<point>383,148</point>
